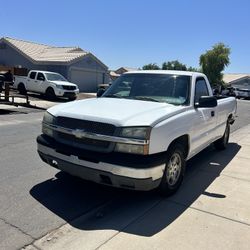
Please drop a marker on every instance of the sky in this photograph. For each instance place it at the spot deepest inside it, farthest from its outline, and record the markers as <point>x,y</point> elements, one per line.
<point>133,33</point>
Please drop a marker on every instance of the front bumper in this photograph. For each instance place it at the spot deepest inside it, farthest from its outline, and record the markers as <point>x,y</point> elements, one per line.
<point>69,94</point>
<point>108,171</point>
<point>66,93</point>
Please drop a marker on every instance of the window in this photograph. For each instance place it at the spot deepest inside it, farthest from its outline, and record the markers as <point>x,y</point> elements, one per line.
<point>200,89</point>
<point>55,77</point>
<point>40,77</point>
<point>169,88</point>
<point>32,75</point>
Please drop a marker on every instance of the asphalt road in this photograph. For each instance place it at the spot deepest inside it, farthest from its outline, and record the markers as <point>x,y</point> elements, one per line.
<point>36,199</point>
<point>243,114</point>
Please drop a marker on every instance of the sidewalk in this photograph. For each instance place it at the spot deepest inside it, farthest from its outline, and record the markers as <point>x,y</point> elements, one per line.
<point>211,211</point>
<point>39,103</point>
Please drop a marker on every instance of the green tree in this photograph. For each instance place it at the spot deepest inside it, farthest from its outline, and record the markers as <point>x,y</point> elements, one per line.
<point>174,65</point>
<point>214,61</point>
<point>151,66</point>
<point>193,69</point>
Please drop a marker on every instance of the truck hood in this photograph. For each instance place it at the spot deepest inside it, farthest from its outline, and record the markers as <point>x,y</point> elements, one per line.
<point>119,112</point>
<point>63,83</point>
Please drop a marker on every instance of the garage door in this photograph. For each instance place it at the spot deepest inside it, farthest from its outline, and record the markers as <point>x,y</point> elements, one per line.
<point>87,81</point>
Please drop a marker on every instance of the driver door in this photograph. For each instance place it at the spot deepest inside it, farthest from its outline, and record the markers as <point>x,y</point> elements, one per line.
<point>40,80</point>
<point>205,119</point>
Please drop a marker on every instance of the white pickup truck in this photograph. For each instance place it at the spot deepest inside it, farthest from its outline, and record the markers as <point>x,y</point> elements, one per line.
<point>140,132</point>
<point>44,82</point>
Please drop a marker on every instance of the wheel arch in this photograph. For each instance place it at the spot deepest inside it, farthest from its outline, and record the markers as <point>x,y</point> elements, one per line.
<point>184,140</point>
<point>49,87</point>
<point>230,119</point>
<point>21,83</point>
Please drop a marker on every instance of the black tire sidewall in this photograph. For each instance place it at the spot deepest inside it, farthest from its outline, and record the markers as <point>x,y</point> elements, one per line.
<point>165,188</point>
<point>21,88</point>
<point>221,144</point>
<point>50,94</point>
<point>227,131</point>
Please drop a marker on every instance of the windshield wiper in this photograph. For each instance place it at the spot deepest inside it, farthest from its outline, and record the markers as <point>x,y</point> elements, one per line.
<point>145,98</point>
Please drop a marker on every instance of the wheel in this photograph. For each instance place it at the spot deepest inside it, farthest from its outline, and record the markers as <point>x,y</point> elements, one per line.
<point>222,143</point>
<point>21,88</point>
<point>174,170</point>
<point>50,94</point>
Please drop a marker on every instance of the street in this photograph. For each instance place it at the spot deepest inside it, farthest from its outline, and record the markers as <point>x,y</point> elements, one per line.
<point>37,199</point>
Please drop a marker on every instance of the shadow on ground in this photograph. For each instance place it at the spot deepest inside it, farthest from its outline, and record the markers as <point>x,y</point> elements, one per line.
<point>69,198</point>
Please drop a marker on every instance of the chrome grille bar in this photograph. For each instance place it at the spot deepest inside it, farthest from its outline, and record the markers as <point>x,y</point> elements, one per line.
<point>78,133</point>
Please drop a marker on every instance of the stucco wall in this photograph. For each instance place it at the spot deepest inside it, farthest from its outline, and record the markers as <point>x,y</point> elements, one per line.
<point>89,63</point>
<point>10,57</point>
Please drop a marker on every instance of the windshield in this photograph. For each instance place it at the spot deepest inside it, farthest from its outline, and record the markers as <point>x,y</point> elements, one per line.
<point>172,89</point>
<point>54,77</point>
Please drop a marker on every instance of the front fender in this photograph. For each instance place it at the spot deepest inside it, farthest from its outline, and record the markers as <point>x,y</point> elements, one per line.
<point>165,132</point>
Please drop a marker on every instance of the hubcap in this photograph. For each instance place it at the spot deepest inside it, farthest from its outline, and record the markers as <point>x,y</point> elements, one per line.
<point>173,169</point>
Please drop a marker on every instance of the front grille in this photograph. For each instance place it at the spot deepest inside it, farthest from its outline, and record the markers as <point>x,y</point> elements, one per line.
<point>87,126</point>
<point>85,141</point>
<point>69,87</point>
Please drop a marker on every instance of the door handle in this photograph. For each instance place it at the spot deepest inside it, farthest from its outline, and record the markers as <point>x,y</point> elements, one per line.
<point>212,113</point>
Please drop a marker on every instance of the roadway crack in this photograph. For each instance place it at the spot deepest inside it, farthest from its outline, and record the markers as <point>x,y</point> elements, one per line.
<point>17,228</point>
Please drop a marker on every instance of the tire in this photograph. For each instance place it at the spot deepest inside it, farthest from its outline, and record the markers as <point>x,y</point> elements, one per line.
<point>222,143</point>
<point>174,170</point>
<point>21,88</point>
<point>50,94</point>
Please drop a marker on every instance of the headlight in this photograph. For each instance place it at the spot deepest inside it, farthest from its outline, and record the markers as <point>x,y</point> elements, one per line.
<point>59,86</point>
<point>131,148</point>
<point>136,132</point>
<point>47,119</point>
<point>140,133</point>
<point>47,131</point>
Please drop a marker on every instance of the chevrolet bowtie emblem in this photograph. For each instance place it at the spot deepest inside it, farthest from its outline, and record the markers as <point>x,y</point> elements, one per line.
<point>78,133</point>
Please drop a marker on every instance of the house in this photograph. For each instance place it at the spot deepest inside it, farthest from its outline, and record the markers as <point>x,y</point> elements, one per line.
<point>124,70</point>
<point>75,64</point>
<point>241,81</point>
<point>113,76</point>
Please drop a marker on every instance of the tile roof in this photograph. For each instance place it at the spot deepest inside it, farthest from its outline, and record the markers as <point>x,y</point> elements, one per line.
<point>112,73</point>
<point>125,69</point>
<point>130,69</point>
<point>228,78</point>
<point>45,53</point>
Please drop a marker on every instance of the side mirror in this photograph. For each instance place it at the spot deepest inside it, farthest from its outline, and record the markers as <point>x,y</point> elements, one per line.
<point>206,102</point>
<point>100,92</point>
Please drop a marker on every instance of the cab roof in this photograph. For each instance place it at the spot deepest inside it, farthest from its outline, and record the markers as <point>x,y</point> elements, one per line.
<point>167,72</point>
